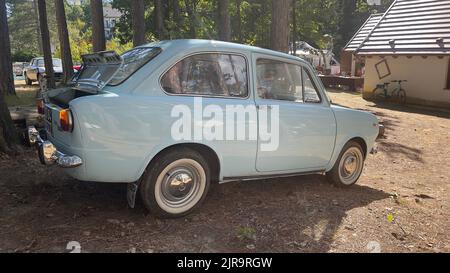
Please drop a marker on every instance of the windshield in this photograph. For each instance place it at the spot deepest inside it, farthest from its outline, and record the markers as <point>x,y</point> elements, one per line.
<point>56,63</point>
<point>133,60</point>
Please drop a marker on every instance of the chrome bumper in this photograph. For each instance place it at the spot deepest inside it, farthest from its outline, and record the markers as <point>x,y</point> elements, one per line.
<point>382,130</point>
<point>48,154</point>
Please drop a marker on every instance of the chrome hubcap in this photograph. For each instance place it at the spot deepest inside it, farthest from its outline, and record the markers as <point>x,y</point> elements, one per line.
<point>180,186</point>
<point>351,166</point>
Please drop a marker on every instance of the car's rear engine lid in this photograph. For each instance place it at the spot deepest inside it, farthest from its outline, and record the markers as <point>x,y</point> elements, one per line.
<point>97,70</point>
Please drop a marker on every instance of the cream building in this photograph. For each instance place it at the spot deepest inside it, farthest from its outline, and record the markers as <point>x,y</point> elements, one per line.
<point>411,41</point>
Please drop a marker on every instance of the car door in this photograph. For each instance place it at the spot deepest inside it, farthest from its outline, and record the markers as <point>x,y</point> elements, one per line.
<point>217,84</point>
<point>287,92</point>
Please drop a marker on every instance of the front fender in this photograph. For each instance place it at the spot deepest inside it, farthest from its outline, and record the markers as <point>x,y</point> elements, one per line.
<point>353,124</point>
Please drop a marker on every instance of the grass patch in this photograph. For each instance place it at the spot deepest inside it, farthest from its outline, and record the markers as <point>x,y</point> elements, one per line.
<point>25,96</point>
<point>21,100</point>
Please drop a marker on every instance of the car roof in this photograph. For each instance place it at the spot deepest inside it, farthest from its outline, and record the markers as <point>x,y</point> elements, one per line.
<point>182,45</point>
<point>41,58</point>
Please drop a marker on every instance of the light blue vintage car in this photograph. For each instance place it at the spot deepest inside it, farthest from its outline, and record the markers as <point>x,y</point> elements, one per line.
<point>170,118</point>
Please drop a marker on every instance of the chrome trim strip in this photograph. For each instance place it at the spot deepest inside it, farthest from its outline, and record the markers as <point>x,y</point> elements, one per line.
<point>261,177</point>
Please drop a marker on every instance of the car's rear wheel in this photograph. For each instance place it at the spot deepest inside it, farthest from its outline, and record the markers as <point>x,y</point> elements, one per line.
<point>27,81</point>
<point>349,166</point>
<point>175,184</point>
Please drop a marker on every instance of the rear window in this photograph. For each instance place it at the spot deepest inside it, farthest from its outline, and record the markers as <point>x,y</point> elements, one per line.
<point>133,60</point>
<point>56,63</point>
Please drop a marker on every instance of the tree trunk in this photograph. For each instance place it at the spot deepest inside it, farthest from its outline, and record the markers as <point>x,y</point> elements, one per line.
<point>347,28</point>
<point>159,20</point>
<point>7,129</point>
<point>294,27</point>
<point>98,26</point>
<point>224,27</point>
<point>238,21</point>
<point>138,14</point>
<point>38,29</point>
<point>190,9</point>
<point>176,15</point>
<point>46,47</point>
<point>280,25</point>
<point>6,72</point>
<point>63,33</point>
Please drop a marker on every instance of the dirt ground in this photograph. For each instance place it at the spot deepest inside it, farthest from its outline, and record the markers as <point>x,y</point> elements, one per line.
<point>401,204</point>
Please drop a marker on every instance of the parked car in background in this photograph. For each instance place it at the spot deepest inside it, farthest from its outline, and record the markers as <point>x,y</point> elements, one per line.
<point>18,68</point>
<point>35,71</point>
<point>116,123</point>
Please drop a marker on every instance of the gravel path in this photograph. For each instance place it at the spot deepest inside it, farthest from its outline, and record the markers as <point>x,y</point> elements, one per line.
<point>401,204</point>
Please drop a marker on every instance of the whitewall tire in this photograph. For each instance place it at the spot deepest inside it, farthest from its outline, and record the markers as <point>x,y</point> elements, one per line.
<point>175,184</point>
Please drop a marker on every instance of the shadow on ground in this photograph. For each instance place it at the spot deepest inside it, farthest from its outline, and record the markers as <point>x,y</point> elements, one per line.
<point>422,110</point>
<point>299,214</point>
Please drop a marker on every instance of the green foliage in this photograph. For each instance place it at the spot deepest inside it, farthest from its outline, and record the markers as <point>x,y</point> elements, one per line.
<point>23,56</point>
<point>24,26</point>
<point>314,19</point>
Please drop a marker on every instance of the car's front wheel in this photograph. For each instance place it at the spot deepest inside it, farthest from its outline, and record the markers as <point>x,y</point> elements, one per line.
<point>176,183</point>
<point>349,166</point>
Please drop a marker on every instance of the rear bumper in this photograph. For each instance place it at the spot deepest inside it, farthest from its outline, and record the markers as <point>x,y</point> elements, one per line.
<point>49,154</point>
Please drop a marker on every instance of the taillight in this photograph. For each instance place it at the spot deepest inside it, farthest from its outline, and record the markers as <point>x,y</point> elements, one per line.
<point>66,120</point>
<point>40,107</point>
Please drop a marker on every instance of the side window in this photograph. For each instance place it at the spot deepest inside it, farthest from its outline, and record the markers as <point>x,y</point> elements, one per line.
<point>208,74</point>
<point>279,80</point>
<point>310,91</point>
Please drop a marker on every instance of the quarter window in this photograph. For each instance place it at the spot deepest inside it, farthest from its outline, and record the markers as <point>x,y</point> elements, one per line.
<point>284,81</point>
<point>310,91</point>
<point>208,74</point>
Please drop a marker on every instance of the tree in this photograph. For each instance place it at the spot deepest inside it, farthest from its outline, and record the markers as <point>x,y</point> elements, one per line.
<point>348,19</point>
<point>238,21</point>
<point>46,47</point>
<point>224,27</point>
<point>7,130</point>
<point>159,20</point>
<point>138,15</point>
<point>176,17</point>
<point>294,27</point>
<point>38,29</point>
<point>191,6</point>
<point>63,33</point>
<point>98,26</point>
<point>280,25</point>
